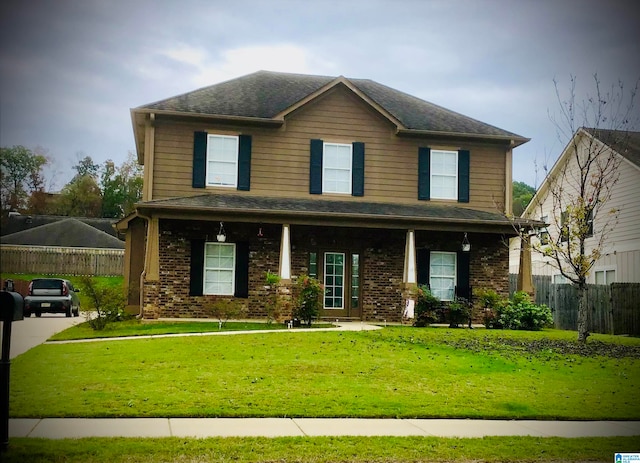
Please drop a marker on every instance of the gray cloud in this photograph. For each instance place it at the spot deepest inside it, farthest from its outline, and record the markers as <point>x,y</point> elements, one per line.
<point>72,69</point>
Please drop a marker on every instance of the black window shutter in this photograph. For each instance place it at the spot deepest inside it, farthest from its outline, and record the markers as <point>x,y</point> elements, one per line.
<point>422,257</point>
<point>463,288</point>
<point>199,159</point>
<point>242,269</point>
<point>197,268</point>
<point>315,170</point>
<point>424,160</point>
<point>357,169</point>
<point>463,176</point>
<point>244,163</point>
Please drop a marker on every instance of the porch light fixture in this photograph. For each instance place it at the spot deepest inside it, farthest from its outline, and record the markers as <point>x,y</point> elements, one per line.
<point>221,236</point>
<point>466,246</point>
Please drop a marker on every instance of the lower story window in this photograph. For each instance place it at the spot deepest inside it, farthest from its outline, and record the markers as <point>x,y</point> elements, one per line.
<point>219,268</point>
<point>605,277</point>
<point>442,275</point>
<point>334,280</point>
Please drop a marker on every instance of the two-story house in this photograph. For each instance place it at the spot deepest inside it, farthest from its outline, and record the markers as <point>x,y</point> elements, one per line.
<point>616,236</point>
<point>367,188</point>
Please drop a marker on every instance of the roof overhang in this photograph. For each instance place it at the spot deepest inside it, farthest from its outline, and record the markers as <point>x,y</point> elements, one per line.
<point>327,213</point>
<point>513,142</point>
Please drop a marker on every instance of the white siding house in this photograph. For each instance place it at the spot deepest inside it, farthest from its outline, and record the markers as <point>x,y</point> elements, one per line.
<point>620,261</point>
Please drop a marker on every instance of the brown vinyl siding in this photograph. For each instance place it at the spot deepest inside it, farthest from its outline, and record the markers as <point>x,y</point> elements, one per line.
<point>280,156</point>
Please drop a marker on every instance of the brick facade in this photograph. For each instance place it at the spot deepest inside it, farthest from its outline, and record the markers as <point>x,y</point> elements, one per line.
<point>381,253</point>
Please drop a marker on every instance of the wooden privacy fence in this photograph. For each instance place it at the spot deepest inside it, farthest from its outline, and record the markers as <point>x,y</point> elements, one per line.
<point>62,261</point>
<point>612,309</point>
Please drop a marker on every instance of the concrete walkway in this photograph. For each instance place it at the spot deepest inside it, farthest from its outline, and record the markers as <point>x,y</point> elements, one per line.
<point>61,428</point>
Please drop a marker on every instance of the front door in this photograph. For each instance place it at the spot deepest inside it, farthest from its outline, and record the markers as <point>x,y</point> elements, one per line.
<point>340,274</point>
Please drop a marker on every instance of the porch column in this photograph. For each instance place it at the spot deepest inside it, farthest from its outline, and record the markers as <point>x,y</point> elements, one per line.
<point>285,253</point>
<point>410,273</point>
<point>525,282</point>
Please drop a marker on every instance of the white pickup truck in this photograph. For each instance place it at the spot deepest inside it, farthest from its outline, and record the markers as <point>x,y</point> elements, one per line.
<point>51,295</point>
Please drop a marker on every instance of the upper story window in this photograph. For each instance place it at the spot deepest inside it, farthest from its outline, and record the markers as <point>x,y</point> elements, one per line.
<point>222,160</point>
<point>336,168</point>
<point>444,174</point>
<point>565,225</point>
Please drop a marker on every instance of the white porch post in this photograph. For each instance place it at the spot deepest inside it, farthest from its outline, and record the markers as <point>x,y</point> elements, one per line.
<point>410,274</point>
<point>285,253</point>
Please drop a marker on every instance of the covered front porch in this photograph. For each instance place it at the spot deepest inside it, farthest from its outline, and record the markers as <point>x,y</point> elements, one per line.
<point>369,258</point>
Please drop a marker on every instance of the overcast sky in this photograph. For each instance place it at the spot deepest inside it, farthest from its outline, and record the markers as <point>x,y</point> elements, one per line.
<point>71,70</point>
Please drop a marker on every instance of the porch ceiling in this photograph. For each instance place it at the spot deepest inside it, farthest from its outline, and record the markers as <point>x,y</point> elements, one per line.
<point>247,208</point>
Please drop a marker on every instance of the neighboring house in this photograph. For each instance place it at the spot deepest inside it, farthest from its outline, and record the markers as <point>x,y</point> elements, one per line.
<point>620,261</point>
<point>19,222</point>
<point>366,188</point>
<point>66,233</point>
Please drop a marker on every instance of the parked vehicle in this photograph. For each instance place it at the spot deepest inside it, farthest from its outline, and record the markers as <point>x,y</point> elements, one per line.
<point>51,295</point>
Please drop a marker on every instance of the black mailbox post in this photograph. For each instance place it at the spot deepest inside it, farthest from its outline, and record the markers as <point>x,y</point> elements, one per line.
<point>11,309</point>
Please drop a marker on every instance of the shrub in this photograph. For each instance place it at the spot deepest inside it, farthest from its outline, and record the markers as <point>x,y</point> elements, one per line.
<point>491,304</point>
<point>458,312</point>
<point>108,303</point>
<point>226,309</point>
<point>427,307</point>
<point>272,305</point>
<point>308,302</point>
<point>521,314</point>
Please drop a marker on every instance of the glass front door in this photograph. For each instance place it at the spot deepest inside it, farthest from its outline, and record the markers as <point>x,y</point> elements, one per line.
<point>334,272</point>
<point>340,273</point>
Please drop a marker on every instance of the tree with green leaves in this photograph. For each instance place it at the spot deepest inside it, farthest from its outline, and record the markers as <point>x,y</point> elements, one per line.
<point>86,166</point>
<point>580,190</point>
<point>522,194</point>
<point>121,187</point>
<point>80,198</point>
<point>20,175</point>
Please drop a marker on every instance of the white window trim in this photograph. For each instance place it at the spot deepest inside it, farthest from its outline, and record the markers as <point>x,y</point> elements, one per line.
<point>344,267</point>
<point>209,160</point>
<point>325,167</point>
<point>432,174</point>
<point>605,269</point>
<point>233,270</point>
<point>565,280</point>
<point>455,271</point>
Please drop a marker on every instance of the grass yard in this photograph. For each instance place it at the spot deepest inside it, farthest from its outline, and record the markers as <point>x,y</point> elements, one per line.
<point>395,372</point>
<point>318,450</point>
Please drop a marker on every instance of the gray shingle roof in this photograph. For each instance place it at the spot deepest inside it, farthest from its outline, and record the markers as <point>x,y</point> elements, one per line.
<point>64,233</point>
<point>625,143</point>
<point>327,209</point>
<point>265,94</point>
<point>17,223</point>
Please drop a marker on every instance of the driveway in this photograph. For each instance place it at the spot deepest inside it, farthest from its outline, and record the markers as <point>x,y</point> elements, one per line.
<point>32,331</point>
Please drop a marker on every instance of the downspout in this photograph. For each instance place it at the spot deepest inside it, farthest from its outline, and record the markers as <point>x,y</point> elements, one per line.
<point>143,274</point>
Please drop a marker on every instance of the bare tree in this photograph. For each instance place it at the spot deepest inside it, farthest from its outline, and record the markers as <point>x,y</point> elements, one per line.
<point>579,190</point>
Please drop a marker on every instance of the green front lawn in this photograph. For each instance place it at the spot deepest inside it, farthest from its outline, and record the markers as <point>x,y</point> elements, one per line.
<point>395,372</point>
<point>318,450</point>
